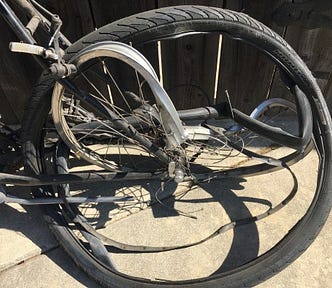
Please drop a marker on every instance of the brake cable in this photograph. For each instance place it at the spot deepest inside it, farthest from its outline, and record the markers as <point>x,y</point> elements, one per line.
<point>82,222</point>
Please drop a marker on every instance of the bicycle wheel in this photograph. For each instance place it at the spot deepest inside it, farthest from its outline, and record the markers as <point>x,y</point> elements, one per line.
<point>82,231</point>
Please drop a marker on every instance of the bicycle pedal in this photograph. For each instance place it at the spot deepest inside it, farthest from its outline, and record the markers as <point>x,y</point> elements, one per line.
<point>32,49</point>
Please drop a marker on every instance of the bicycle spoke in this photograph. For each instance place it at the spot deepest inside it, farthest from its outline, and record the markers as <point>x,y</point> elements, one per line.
<point>109,74</point>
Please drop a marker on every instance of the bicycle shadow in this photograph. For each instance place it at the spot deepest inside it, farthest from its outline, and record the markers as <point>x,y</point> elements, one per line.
<point>28,225</point>
<point>246,240</point>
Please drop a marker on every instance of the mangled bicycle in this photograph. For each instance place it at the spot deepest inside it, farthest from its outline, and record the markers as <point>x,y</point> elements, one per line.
<point>96,150</point>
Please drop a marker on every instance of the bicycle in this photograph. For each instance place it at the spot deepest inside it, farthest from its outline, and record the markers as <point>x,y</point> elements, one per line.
<point>140,142</point>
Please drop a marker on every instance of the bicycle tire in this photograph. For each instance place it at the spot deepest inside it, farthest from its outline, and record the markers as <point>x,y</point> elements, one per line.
<point>172,21</point>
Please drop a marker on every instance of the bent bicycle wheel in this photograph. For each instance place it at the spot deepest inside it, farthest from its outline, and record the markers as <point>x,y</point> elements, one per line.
<point>208,206</point>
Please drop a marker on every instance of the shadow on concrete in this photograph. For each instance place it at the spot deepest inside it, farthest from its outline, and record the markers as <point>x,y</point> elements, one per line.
<point>245,244</point>
<point>29,221</point>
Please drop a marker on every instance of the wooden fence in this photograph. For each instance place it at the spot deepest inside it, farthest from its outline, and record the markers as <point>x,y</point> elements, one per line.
<point>248,75</point>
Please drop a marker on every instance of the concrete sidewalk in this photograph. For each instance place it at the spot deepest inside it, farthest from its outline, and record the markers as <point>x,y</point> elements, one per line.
<point>30,257</point>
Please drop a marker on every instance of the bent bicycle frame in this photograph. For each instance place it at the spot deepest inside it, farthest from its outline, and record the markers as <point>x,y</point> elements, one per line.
<point>168,113</point>
<point>170,118</point>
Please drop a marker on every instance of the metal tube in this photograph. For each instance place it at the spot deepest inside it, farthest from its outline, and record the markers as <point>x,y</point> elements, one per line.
<point>77,177</point>
<point>203,113</point>
<point>27,7</point>
<point>32,12</point>
<point>33,24</point>
<point>19,29</point>
<point>118,123</point>
<point>51,201</point>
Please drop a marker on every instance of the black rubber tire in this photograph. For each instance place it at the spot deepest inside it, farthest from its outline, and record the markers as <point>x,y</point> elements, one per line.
<point>172,21</point>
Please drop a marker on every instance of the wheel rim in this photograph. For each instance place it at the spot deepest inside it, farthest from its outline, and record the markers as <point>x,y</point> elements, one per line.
<point>316,128</point>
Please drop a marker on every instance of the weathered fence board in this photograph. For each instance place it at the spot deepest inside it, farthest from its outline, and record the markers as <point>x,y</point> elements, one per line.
<point>248,75</point>
<point>245,72</point>
<point>314,47</point>
<point>105,12</point>
<point>189,64</point>
<point>75,14</point>
<point>17,73</point>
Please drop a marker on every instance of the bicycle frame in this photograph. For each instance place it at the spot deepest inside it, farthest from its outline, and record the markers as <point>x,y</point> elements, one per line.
<point>174,129</point>
<point>25,34</point>
<point>16,25</point>
<point>170,119</point>
<point>124,132</point>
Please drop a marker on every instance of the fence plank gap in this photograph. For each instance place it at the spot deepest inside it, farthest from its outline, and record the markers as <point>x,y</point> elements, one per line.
<point>246,72</point>
<point>190,64</point>
<point>313,46</point>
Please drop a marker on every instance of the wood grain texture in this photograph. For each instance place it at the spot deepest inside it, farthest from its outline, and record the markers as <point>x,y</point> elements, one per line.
<point>314,47</point>
<point>245,72</point>
<point>17,74</point>
<point>75,14</point>
<point>189,64</point>
<point>105,11</point>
